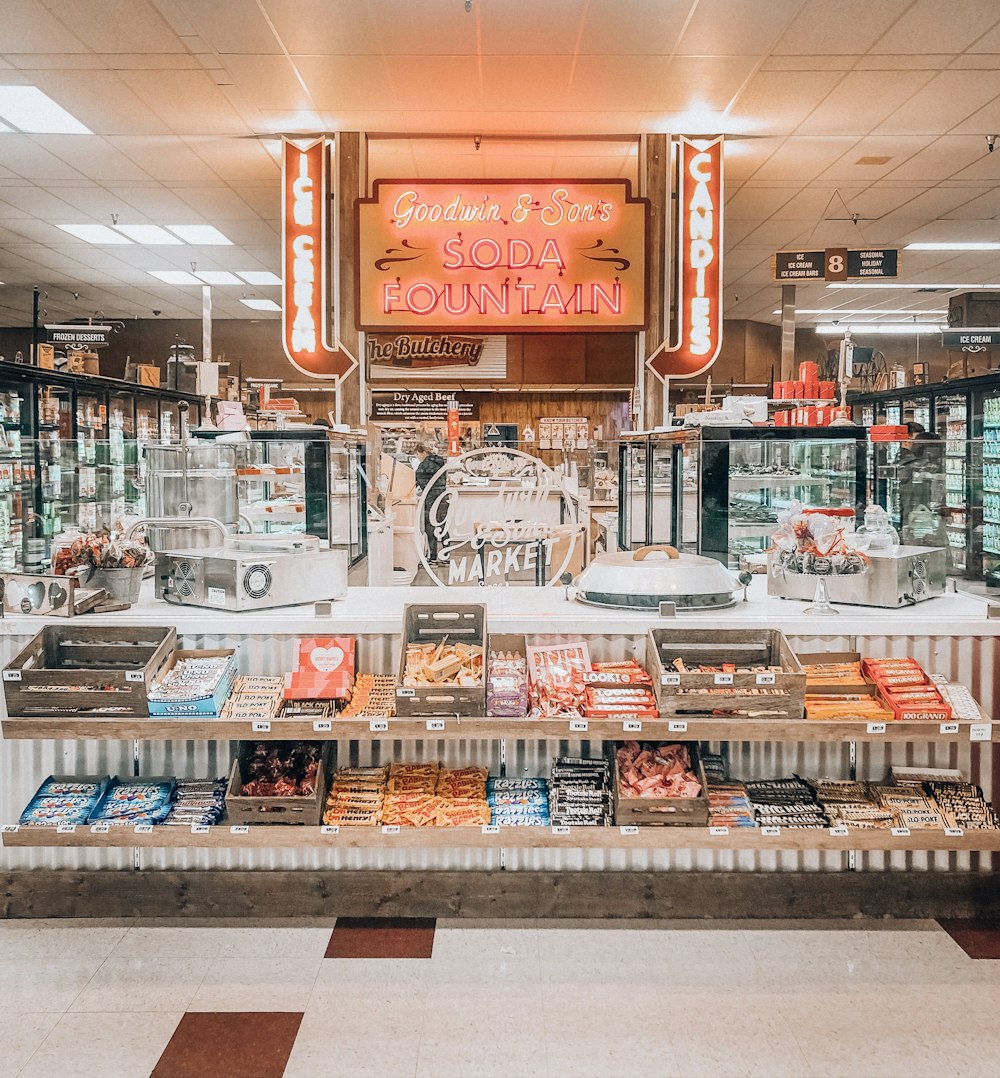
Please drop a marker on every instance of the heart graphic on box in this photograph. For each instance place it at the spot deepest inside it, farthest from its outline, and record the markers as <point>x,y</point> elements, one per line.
<point>326,659</point>
<point>57,595</point>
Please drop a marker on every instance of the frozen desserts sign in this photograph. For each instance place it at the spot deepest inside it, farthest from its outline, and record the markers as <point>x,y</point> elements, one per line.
<point>478,256</point>
<point>503,517</point>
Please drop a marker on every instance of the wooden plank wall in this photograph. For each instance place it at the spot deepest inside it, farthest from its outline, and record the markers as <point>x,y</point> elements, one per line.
<point>607,410</point>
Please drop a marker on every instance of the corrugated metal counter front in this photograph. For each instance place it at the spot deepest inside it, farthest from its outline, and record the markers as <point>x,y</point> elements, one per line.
<point>949,635</point>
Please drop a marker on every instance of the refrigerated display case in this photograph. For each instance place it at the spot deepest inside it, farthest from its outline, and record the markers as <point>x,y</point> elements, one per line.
<point>304,481</point>
<point>726,486</point>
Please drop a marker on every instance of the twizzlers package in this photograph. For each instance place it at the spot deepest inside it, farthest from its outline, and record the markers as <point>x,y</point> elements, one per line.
<point>556,675</point>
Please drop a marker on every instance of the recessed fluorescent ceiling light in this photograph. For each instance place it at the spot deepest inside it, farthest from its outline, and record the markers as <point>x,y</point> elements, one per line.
<point>894,329</point>
<point>914,286</point>
<point>95,233</point>
<point>259,276</point>
<point>217,277</point>
<point>31,111</point>
<point>150,235</point>
<point>865,310</point>
<point>261,304</point>
<point>952,247</point>
<point>205,235</point>
<point>174,276</point>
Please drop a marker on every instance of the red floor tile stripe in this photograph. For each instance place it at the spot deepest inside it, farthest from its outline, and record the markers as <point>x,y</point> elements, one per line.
<point>979,939</point>
<point>224,1045</point>
<point>382,937</point>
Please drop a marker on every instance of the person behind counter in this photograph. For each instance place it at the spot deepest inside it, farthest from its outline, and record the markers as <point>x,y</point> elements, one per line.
<point>431,465</point>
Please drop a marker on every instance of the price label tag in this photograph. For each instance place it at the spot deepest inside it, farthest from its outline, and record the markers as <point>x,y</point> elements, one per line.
<point>981,731</point>
<point>840,831</point>
<point>100,828</point>
<point>12,675</point>
<point>134,675</point>
<point>670,679</point>
<point>770,830</point>
<point>723,679</point>
<point>9,829</point>
<point>378,726</point>
<point>331,829</point>
<point>491,829</point>
<point>405,694</point>
<point>876,728</point>
<point>143,828</point>
<point>631,726</point>
<point>901,832</point>
<point>322,726</point>
<point>261,727</point>
<point>239,829</point>
<point>435,724</point>
<point>390,829</point>
<point>718,830</point>
<point>765,679</point>
<point>629,829</point>
<point>200,829</point>
<point>578,726</point>
<point>954,832</point>
<point>948,728</point>
<point>677,727</point>
<point>560,830</point>
<point>66,829</point>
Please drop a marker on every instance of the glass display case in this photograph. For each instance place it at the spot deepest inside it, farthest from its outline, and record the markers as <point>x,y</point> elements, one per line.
<point>718,491</point>
<point>304,481</point>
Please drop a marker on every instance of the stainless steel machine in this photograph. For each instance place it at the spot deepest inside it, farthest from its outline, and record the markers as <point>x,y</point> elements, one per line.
<point>252,572</point>
<point>910,575</point>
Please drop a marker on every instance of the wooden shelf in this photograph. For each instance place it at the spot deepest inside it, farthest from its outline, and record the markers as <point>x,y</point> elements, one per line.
<point>709,728</point>
<point>666,838</point>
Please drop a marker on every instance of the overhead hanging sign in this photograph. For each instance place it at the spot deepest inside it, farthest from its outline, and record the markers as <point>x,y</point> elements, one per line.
<point>834,264</point>
<point>501,256</point>
<point>971,338</point>
<point>699,262</point>
<point>78,336</point>
<point>306,262</point>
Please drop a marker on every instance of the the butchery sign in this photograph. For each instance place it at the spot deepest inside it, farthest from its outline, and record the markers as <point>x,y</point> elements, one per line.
<point>698,330</point>
<point>486,256</point>
<point>495,518</point>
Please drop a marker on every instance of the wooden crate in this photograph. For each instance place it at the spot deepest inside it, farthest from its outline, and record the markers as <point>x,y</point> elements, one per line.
<point>713,647</point>
<point>273,810</point>
<point>661,811</point>
<point>88,670</point>
<point>465,622</point>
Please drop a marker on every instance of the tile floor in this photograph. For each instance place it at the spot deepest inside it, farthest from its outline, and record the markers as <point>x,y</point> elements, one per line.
<point>478,999</point>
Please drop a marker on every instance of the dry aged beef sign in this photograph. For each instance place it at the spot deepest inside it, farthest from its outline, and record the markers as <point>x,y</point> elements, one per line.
<point>421,406</point>
<point>488,256</point>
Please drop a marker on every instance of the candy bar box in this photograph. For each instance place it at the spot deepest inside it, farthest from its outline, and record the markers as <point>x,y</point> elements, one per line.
<point>752,672</point>
<point>442,661</point>
<point>87,670</point>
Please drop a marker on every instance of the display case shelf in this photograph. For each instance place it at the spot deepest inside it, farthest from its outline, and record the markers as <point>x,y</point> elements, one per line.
<point>275,836</point>
<point>708,728</point>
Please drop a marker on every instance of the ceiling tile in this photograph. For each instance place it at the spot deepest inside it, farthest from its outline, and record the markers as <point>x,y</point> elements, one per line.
<point>927,27</point>
<point>736,27</point>
<point>696,82</point>
<point>335,28</point>
<point>233,26</point>
<point>803,158</point>
<point>778,101</point>
<point>645,27</point>
<point>516,26</point>
<point>351,82</point>
<point>31,161</point>
<point>940,159</point>
<point>861,101</point>
<point>269,79</point>
<point>847,26</point>
<point>949,98</point>
<point>123,25</point>
<point>189,102</point>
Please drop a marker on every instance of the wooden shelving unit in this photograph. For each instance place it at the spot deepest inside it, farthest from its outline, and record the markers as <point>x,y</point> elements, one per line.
<point>708,728</point>
<point>647,838</point>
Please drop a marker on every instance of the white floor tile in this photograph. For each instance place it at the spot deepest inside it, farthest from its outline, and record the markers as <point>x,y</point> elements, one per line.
<point>20,1036</point>
<point>258,983</point>
<point>47,940</point>
<point>126,1045</point>
<point>356,1042</point>
<point>47,984</point>
<point>152,983</point>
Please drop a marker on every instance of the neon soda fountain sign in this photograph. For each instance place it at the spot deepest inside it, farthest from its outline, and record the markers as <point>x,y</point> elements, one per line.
<point>486,253</point>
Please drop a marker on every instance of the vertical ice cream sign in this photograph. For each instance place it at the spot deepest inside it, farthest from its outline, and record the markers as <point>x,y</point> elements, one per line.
<point>698,336</point>
<point>306,264</point>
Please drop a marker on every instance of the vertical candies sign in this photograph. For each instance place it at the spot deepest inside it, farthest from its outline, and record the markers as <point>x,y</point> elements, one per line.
<point>698,337</point>
<point>305,184</point>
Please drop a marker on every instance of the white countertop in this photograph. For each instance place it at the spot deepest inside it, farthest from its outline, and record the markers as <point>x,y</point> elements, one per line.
<point>541,610</point>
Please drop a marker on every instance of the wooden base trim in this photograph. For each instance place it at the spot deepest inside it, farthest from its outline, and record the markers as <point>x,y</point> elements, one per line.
<point>759,895</point>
